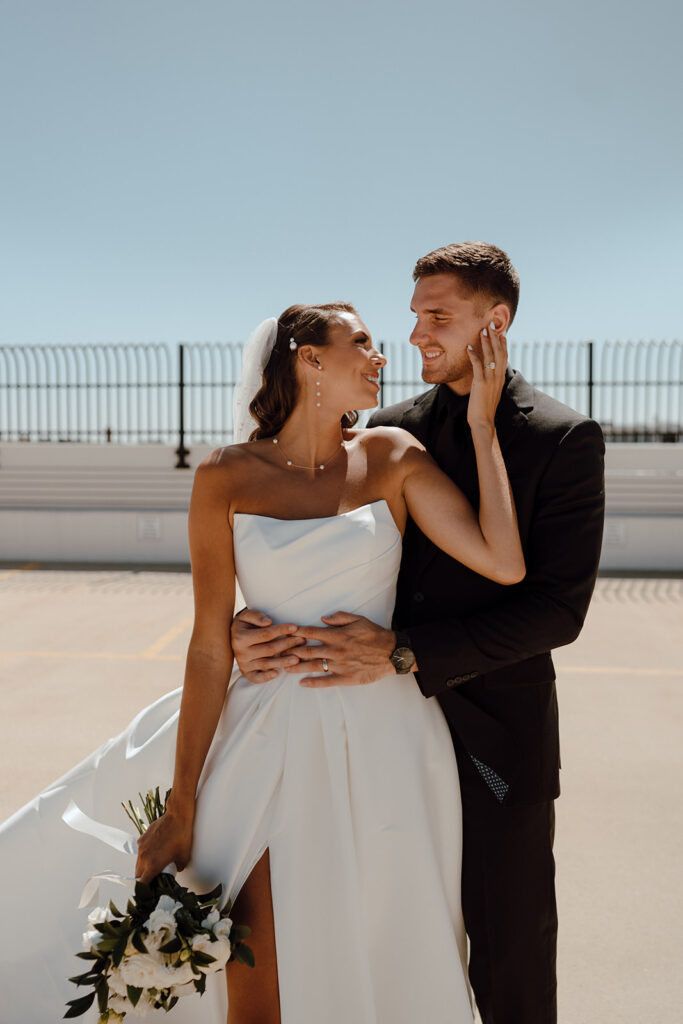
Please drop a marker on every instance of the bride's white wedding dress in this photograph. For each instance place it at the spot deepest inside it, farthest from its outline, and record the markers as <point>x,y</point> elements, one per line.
<point>353,789</point>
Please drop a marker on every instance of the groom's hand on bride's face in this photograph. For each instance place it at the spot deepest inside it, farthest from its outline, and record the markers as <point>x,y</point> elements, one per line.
<point>262,648</point>
<point>354,649</point>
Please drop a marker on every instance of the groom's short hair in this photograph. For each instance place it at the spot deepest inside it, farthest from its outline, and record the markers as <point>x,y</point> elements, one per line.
<point>483,269</point>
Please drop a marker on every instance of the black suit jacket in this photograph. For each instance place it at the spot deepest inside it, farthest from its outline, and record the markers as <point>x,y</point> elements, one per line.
<point>483,649</point>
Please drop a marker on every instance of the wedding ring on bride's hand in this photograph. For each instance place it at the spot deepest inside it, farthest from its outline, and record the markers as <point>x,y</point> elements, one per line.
<point>490,366</point>
<point>326,667</point>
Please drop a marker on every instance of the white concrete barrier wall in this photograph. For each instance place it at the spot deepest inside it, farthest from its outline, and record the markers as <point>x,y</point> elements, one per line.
<point>94,535</point>
<point>94,503</point>
<point>128,504</point>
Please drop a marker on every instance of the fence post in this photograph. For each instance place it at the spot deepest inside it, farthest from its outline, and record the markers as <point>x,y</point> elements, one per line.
<point>590,379</point>
<point>380,397</point>
<point>181,450</point>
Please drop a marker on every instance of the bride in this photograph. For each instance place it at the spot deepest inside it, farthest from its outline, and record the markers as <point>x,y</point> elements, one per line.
<point>331,816</point>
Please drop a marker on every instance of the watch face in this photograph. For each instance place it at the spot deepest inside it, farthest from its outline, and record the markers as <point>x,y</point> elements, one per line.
<point>403,659</point>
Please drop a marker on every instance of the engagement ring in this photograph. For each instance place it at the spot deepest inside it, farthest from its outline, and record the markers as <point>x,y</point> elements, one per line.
<point>326,667</point>
<point>491,366</point>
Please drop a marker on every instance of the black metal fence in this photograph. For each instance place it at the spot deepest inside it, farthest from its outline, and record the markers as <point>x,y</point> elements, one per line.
<point>151,393</point>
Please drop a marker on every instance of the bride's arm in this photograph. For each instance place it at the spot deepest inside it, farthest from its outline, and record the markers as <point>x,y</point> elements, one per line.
<point>207,670</point>
<point>487,542</point>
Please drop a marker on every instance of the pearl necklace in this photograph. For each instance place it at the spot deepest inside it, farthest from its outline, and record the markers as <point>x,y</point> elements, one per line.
<point>295,465</point>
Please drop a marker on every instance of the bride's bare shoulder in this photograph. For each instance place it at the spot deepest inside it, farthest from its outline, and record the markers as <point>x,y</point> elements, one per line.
<point>387,441</point>
<point>226,469</point>
<point>233,456</point>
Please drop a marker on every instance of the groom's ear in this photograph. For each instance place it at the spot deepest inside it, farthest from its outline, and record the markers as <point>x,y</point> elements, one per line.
<point>499,315</point>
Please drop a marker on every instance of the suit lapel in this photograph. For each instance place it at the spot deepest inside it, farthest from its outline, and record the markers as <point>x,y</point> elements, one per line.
<point>511,421</point>
<point>511,416</point>
<point>416,419</point>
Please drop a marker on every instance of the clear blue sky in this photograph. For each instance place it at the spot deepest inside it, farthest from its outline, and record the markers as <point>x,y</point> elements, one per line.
<point>178,171</point>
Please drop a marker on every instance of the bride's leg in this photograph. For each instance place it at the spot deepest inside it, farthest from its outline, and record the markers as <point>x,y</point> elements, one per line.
<point>253,996</point>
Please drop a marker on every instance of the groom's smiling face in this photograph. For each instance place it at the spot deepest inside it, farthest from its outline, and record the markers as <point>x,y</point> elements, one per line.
<point>449,319</point>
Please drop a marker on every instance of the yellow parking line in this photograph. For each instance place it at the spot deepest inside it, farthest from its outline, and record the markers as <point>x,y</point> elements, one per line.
<point>155,649</point>
<point>85,655</point>
<point>20,568</point>
<point>618,670</point>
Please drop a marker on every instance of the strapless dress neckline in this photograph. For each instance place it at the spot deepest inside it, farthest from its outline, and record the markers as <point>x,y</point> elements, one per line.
<point>319,519</point>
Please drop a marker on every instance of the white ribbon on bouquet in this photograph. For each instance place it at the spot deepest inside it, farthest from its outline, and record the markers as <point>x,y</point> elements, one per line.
<point>116,838</point>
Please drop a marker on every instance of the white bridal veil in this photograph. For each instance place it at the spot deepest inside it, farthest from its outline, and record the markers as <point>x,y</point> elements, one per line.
<point>256,354</point>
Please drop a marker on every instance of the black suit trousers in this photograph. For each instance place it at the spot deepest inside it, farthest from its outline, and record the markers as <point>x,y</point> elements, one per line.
<point>508,897</point>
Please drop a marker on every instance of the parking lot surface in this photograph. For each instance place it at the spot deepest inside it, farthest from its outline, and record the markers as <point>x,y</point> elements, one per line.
<point>82,650</point>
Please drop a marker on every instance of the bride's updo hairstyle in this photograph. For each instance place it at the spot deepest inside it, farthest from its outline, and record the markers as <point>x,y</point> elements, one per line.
<point>274,402</point>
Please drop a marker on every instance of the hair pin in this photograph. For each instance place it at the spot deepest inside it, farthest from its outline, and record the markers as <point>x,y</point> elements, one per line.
<point>292,344</point>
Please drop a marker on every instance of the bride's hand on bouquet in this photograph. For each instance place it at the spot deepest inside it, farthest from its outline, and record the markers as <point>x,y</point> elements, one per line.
<point>167,840</point>
<point>488,370</point>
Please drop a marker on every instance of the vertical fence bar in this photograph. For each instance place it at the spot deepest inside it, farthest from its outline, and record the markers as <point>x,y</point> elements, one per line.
<point>380,403</point>
<point>181,450</point>
<point>590,379</point>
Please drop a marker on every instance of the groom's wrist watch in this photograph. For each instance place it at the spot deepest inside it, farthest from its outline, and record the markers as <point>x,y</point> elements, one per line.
<point>402,657</point>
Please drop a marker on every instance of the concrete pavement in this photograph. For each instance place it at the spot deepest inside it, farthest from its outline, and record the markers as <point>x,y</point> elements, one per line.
<point>81,651</point>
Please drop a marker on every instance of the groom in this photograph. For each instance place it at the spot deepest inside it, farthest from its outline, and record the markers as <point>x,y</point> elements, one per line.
<point>482,649</point>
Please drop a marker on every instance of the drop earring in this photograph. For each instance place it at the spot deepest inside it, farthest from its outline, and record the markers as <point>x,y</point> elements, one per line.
<point>317,394</point>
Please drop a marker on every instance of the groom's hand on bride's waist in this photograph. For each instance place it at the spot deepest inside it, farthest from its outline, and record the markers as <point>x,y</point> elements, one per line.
<point>349,650</point>
<point>261,647</point>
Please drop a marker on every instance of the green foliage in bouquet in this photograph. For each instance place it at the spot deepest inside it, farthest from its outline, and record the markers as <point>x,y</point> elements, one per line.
<point>162,947</point>
<point>152,805</point>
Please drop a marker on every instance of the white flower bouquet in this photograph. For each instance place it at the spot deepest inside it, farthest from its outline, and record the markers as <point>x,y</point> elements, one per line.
<point>162,948</point>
